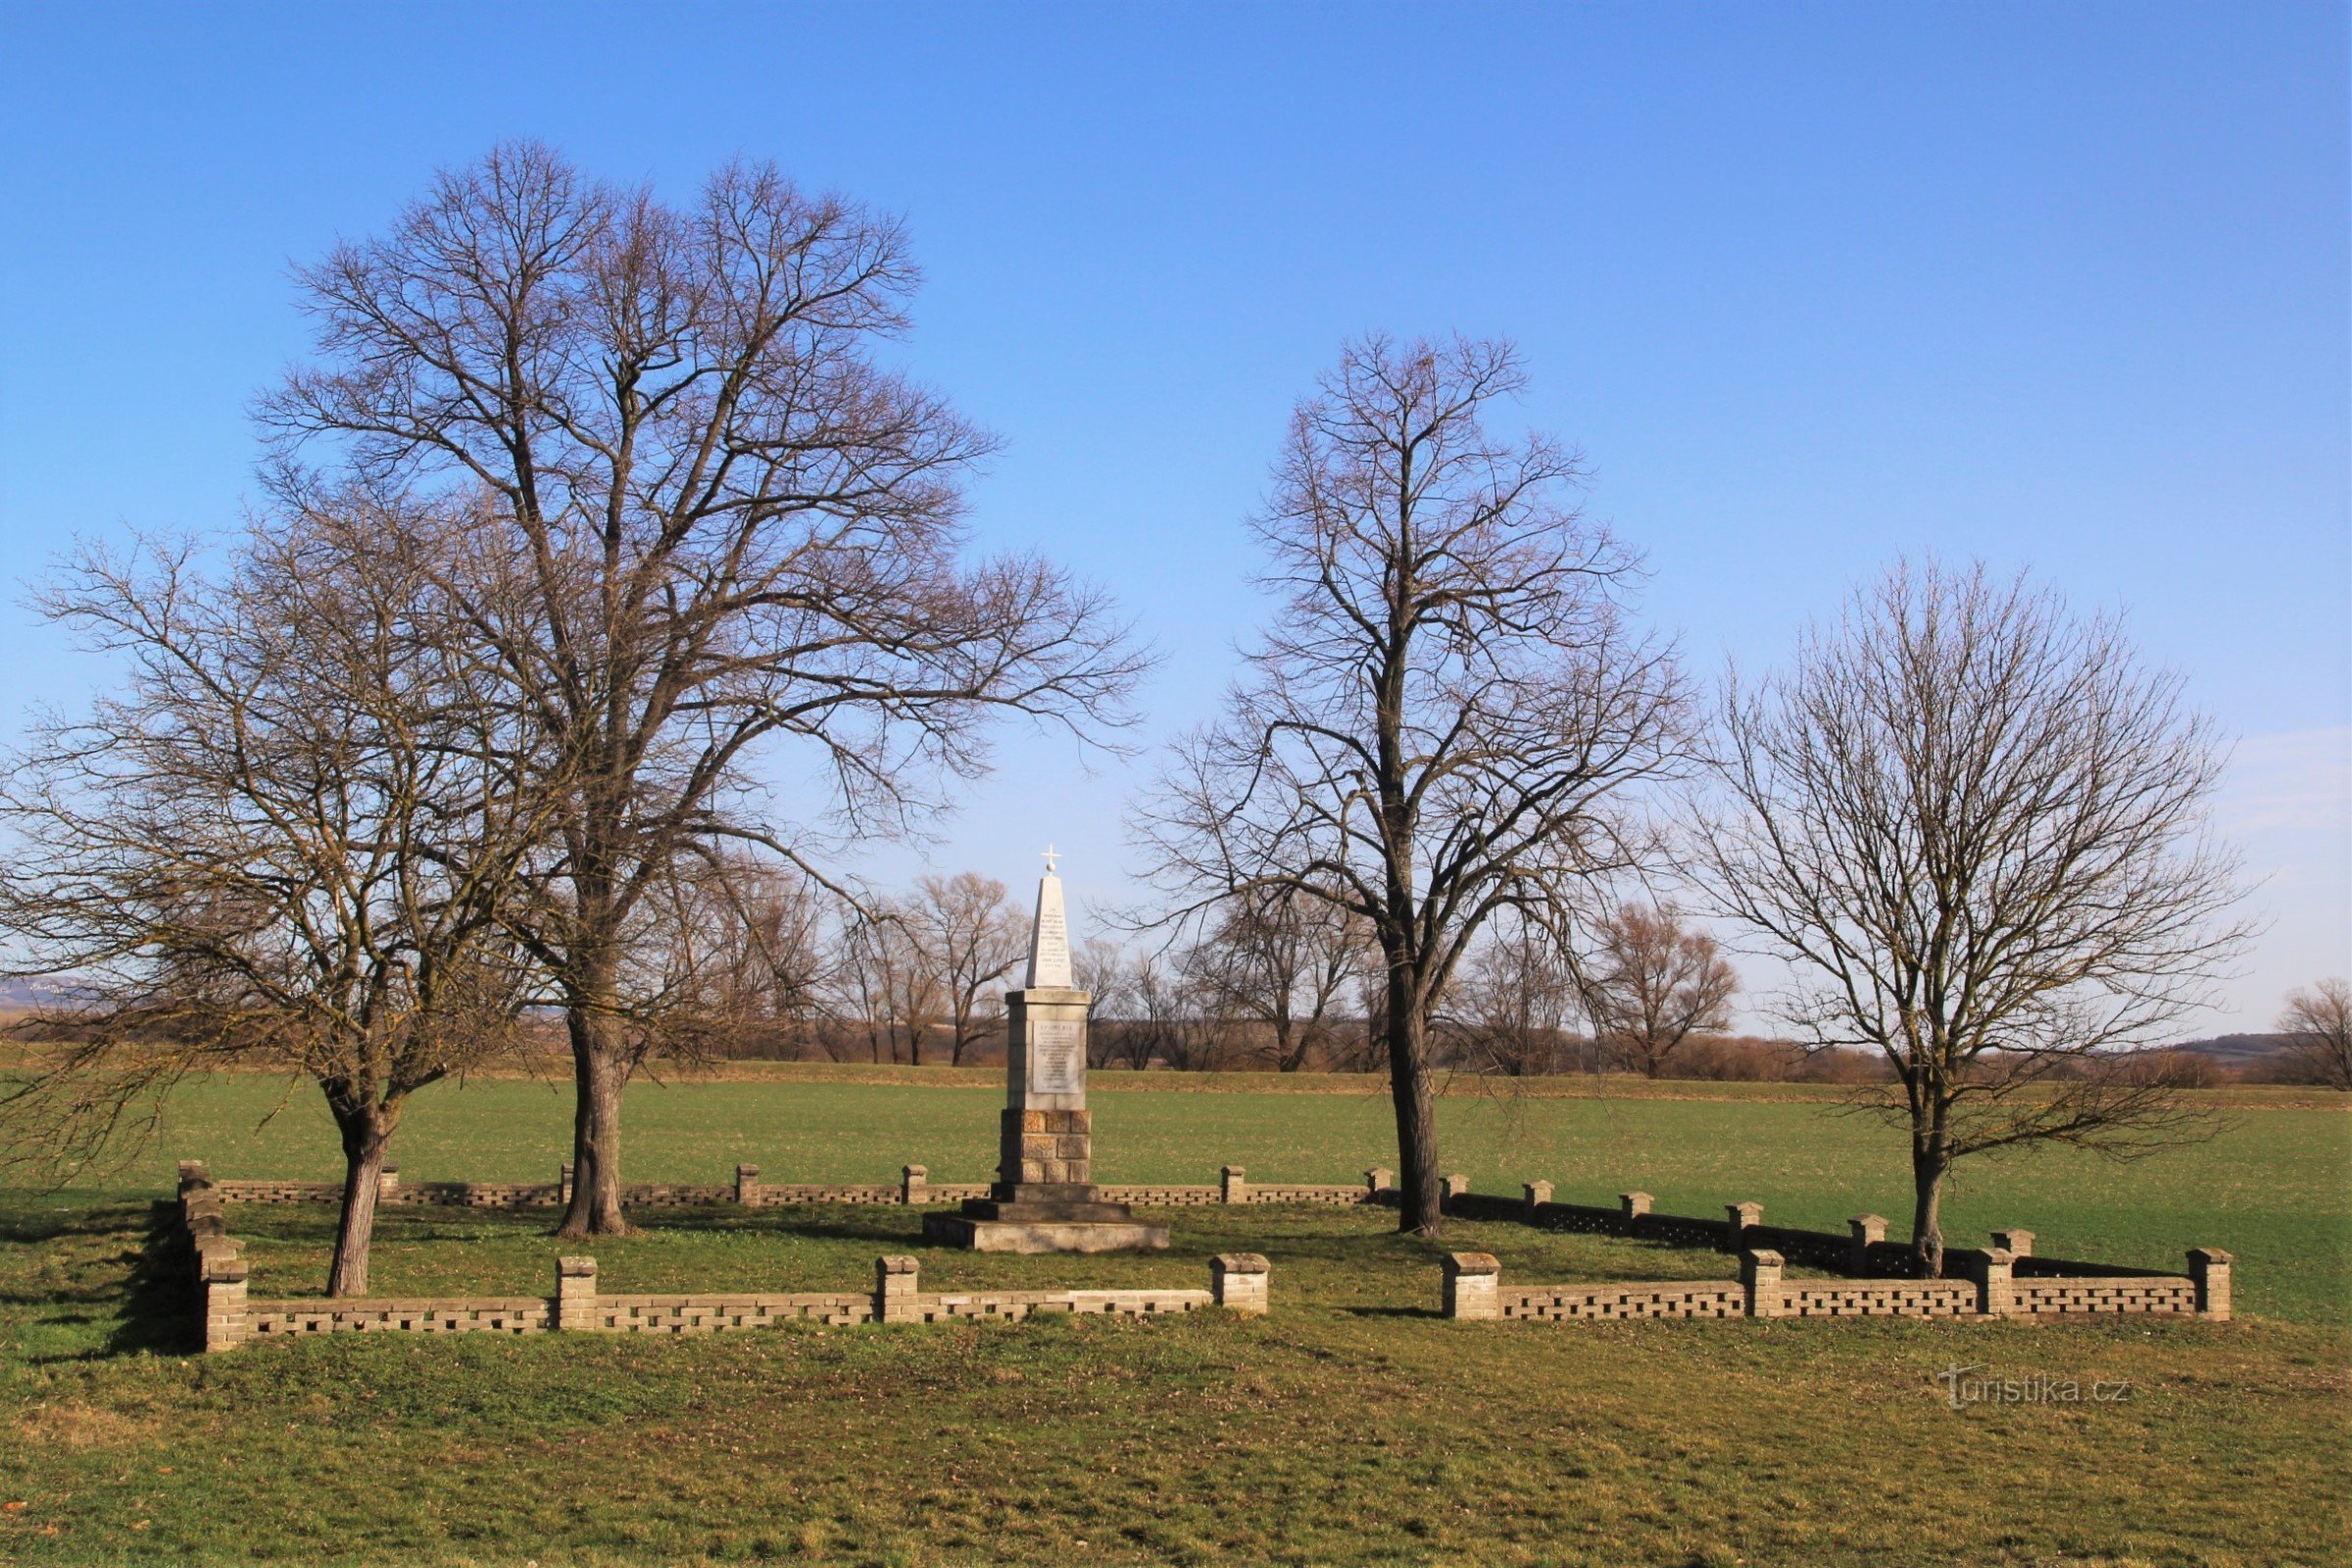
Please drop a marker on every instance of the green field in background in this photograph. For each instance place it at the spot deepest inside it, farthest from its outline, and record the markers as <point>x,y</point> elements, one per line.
<point>2274,1187</point>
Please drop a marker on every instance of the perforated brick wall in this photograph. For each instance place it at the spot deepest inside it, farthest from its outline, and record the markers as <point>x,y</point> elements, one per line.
<point>1561,1302</point>
<point>1877,1298</point>
<point>497,1315</point>
<point>2149,1295</point>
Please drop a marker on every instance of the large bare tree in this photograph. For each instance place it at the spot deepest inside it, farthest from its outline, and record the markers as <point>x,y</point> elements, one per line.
<point>1974,825</point>
<point>1653,983</point>
<point>2318,1024</point>
<point>282,844</point>
<point>705,519</point>
<point>1446,717</point>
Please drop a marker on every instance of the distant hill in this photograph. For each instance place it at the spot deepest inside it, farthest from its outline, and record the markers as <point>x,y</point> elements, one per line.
<point>2238,1050</point>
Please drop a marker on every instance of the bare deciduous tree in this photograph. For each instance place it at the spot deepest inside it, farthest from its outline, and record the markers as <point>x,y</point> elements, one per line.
<point>1652,984</point>
<point>1447,716</point>
<point>705,519</point>
<point>1100,967</point>
<point>1282,961</point>
<point>727,953</point>
<point>888,983</point>
<point>1975,827</point>
<point>284,844</point>
<point>2319,1025</point>
<point>1514,1002</point>
<point>970,935</point>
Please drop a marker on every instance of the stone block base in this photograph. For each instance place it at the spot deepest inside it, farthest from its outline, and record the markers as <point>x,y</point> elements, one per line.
<point>1044,1235</point>
<point>1054,1148</point>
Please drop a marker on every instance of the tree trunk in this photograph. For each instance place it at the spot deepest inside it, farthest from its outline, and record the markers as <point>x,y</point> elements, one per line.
<point>600,1072</point>
<point>366,1132</point>
<point>1928,1166</point>
<point>1418,1210</point>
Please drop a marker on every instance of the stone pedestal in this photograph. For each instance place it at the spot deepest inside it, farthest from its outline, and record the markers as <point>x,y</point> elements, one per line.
<point>1043,1199</point>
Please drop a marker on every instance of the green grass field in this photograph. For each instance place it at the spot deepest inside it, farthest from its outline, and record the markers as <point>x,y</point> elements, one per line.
<point>1351,1426</point>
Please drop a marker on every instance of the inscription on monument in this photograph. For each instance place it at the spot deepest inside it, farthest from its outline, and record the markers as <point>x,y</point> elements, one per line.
<point>1056,1057</point>
<point>1051,965</point>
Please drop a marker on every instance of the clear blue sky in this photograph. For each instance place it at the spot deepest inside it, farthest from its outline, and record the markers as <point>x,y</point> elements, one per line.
<point>1812,286</point>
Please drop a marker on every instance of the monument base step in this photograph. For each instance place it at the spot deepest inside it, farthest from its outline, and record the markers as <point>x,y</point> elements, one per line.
<point>1044,1235</point>
<point>1028,1210</point>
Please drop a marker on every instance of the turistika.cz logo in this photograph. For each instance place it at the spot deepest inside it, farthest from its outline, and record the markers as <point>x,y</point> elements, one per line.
<point>1964,1386</point>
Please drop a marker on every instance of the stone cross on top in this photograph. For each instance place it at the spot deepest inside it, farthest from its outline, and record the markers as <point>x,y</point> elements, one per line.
<point>1050,857</point>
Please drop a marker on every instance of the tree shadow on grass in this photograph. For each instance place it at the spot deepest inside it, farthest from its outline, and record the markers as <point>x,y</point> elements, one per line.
<point>163,1305</point>
<point>145,1291</point>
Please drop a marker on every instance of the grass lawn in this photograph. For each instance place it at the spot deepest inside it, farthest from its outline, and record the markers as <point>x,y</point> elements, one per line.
<point>1351,1426</point>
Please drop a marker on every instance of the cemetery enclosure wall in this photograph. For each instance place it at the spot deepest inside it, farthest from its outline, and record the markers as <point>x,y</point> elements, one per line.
<point>913,1187</point>
<point>231,1318</point>
<point>1473,1289</point>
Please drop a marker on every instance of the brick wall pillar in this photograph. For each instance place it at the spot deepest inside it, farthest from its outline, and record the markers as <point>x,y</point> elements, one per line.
<point>1238,1279</point>
<point>387,1184</point>
<point>1378,1180</point>
<point>1991,1269</point>
<point>1233,1185</point>
<point>2209,1267</point>
<point>1633,1205</point>
<point>1450,1188</point>
<point>1743,1218</point>
<point>1473,1286</point>
<point>2016,1244</point>
<point>226,1322</point>
<point>1867,1230</point>
<point>747,1186</point>
<point>915,1184</point>
<point>1760,1280</point>
<point>1538,1194</point>
<point>895,1290</point>
<point>564,1184</point>
<point>192,1173</point>
<point>576,1295</point>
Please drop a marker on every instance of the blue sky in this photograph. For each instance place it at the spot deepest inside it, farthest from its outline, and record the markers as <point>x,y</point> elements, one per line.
<point>1811,286</point>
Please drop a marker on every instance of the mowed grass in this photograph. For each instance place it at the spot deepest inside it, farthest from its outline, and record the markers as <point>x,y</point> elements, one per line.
<point>1352,1426</point>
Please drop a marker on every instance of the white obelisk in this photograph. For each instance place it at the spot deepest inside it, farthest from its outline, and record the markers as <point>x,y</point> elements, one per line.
<point>1046,1054</point>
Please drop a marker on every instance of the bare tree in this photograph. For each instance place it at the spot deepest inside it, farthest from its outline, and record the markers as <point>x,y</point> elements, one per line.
<point>1653,983</point>
<point>705,519</point>
<point>1975,827</point>
<point>1282,961</point>
<point>2319,1025</point>
<point>970,935</point>
<point>1514,1002</point>
<point>285,843</point>
<point>1447,716</point>
<point>888,983</point>
<point>728,957</point>
<point>1100,967</point>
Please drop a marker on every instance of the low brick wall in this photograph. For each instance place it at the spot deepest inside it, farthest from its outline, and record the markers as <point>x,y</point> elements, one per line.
<point>1236,1282</point>
<point>515,1314</point>
<point>1863,1252</point>
<point>231,1318</point>
<point>912,1188</point>
<point>1473,1289</point>
<point>1546,1303</point>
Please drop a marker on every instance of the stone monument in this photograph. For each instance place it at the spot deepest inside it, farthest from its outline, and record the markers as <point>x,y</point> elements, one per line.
<point>1043,1199</point>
